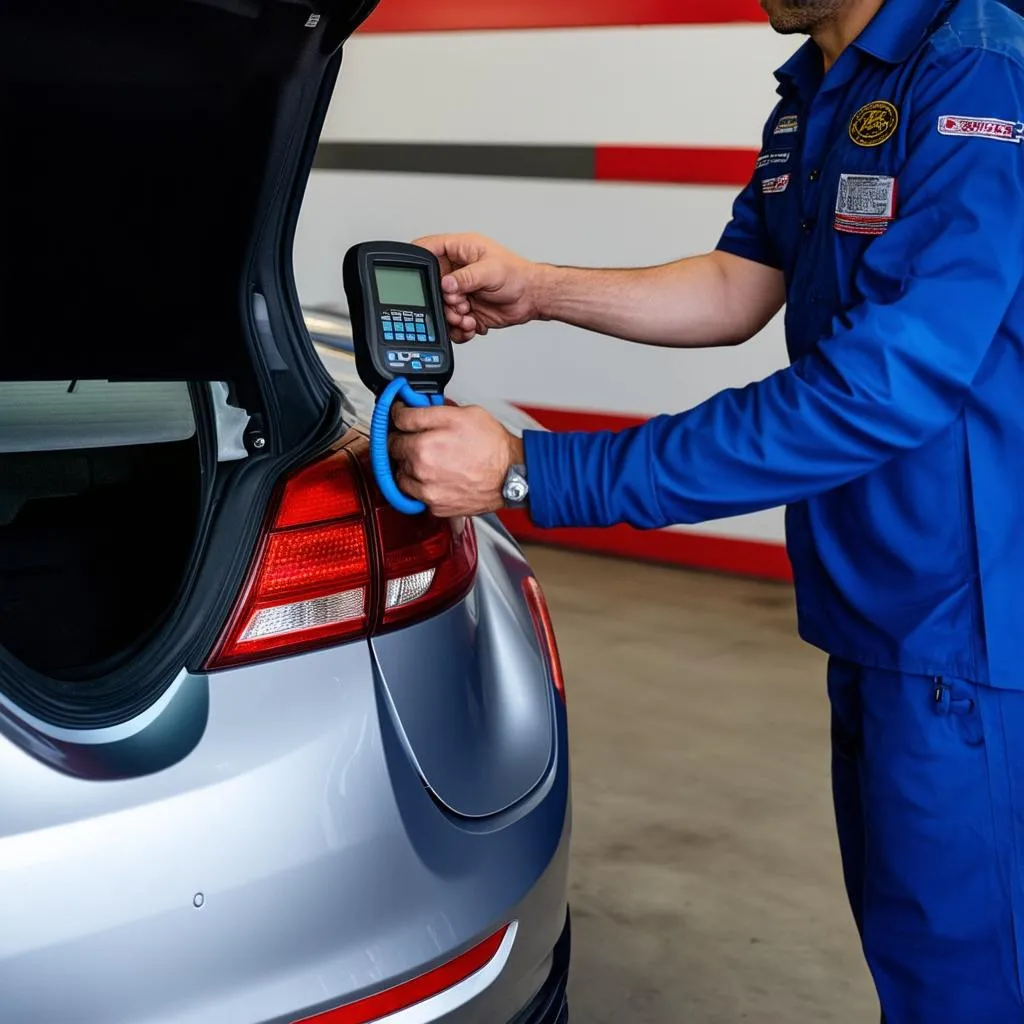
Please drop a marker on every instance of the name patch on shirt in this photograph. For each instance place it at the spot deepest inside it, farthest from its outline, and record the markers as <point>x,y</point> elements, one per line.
<point>770,159</point>
<point>788,125</point>
<point>773,186</point>
<point>981,128</point>
<point>866,204</point>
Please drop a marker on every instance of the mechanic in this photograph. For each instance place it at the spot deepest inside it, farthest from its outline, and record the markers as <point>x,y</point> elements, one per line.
<point>887,213</point>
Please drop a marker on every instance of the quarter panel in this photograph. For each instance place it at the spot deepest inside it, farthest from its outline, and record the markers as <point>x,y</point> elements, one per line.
<point>471,693</point>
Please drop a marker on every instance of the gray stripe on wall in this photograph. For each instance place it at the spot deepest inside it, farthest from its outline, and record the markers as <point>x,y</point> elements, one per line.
<point>562,162</point>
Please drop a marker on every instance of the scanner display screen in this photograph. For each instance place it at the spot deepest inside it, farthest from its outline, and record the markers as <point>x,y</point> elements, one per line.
<point>398,286</point>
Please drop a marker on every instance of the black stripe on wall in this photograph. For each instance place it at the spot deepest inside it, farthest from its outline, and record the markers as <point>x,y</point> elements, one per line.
<point>577,163</point>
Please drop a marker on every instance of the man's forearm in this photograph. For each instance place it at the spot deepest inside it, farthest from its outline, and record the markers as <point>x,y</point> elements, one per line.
<point>703,302</point>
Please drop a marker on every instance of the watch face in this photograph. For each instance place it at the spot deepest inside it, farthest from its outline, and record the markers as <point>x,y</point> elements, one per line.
<point>515,490</point>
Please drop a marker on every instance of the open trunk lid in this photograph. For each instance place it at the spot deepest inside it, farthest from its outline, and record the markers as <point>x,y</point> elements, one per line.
<point>155,157</point>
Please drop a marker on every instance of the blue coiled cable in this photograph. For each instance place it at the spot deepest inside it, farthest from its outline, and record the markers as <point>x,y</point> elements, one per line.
<point>380,424</point>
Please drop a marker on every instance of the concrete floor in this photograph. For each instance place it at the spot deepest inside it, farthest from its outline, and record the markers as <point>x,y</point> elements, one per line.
<point>706,885</point>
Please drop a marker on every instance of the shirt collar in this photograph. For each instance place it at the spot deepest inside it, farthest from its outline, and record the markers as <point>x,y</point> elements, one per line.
<point>801,69</point>
<point>891,36</point>
<point>899,28</point>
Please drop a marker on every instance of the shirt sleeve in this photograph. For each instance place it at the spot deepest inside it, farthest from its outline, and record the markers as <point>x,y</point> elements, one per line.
<point>747,234</point>
<point>895,371</point>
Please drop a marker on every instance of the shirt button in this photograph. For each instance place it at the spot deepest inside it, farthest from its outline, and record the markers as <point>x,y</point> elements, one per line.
<point>806,225</point>
<point>814,176</point>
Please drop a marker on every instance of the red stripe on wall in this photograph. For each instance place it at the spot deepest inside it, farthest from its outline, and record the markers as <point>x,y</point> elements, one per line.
<point>677,165</point>
<point>580,419</point>
<point>758,559</point>
<point>460,15</point>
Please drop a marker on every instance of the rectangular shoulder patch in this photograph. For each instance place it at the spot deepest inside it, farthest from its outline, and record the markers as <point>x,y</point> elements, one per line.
<point>788,125</point>
<point>773,186</point>
<point>866,204</point>
<point>772,158</point>
<point>981,128</point>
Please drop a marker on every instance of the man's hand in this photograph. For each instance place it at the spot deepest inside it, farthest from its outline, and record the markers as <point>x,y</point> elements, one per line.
<point>452,459</point>
<point>485,285</point>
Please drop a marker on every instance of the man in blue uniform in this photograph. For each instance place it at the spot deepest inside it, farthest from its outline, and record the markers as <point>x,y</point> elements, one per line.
<point>887,213</point>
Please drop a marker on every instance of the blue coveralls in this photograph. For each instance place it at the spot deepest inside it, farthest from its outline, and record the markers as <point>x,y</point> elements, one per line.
<point>890,193</point>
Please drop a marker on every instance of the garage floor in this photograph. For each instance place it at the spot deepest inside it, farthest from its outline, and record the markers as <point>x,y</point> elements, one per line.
<point>707,884</point>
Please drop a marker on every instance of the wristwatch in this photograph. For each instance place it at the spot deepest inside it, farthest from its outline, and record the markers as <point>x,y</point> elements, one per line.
<point>516,491</point>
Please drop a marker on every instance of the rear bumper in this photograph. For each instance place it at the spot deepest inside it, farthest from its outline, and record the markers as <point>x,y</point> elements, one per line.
<point>550,1006</point>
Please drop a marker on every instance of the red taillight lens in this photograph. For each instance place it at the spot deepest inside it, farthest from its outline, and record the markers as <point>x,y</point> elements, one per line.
<point>545,631</point>
<point>318,493</point>
<point>337,562</point>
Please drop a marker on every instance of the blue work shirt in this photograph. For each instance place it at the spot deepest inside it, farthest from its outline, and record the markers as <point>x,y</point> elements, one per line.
<point>890,193</point>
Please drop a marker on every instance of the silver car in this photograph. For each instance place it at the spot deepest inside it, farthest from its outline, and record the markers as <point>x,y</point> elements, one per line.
<point>269,751</point>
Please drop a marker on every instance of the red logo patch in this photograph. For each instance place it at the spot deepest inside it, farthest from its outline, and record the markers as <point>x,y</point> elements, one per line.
<point>773,186</point>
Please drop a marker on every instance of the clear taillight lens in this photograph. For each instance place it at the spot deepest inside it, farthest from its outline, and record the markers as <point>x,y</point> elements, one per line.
<point>336,562</point>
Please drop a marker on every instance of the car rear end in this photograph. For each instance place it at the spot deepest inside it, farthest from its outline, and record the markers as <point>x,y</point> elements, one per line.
<point>315,842</point>
<point>268,751</point>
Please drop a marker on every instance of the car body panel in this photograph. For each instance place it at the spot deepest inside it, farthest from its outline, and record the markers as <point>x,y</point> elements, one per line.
<point>505,742</point>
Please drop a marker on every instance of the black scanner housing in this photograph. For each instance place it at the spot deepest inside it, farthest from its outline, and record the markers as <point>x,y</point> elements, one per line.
<point>371,349</point>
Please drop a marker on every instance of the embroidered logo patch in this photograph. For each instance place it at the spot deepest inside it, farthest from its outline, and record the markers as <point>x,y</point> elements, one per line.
<point>773,186</point>
<point>981,128</point>
<point>770,159</point>
<point>874,124</point>
<point>866,204</point>
<point>788,125</point>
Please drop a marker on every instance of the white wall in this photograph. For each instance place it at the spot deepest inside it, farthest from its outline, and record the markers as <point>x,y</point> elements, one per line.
<point>694,86</point>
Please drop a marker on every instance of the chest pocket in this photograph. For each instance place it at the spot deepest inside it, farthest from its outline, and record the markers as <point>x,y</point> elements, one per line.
<point>860,189</point>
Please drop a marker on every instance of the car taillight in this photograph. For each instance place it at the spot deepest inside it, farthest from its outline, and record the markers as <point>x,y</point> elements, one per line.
<point>541,615</point>
<point>426,561</point>
<point>336,562</point>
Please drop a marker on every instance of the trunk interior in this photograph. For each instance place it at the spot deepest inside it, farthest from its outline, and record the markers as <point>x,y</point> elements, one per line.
<point>94,540</point>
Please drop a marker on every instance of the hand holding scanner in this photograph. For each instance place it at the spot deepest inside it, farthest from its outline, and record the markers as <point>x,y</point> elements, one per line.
<point>401,340</point>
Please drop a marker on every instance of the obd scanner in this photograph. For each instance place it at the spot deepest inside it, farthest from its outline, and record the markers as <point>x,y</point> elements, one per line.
<point>401,341</point>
